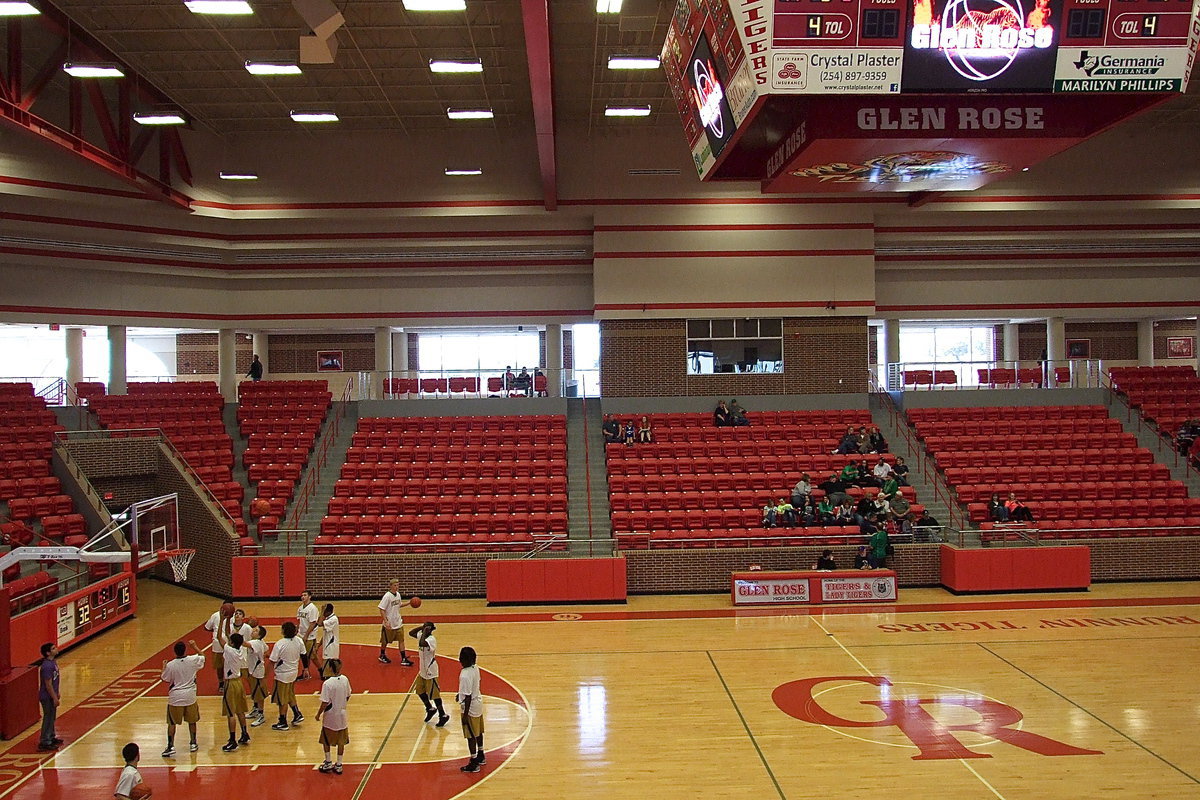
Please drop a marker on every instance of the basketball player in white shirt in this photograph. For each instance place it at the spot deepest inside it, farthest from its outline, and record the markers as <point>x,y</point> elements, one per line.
<point>306,629</point>
<point>330,629</point>
<point>130,777</point>
<point>180,677</point>
<point>211,625</point>
<point>426,685</point>
<point>335,694</point>
<point>471,700</point>
<point>285,655</point>
<point>389,612</point>
<point>256,667</point>
<point>234,702</point>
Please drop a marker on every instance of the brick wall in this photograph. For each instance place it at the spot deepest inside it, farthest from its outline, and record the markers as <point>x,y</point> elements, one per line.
<point>1171,327</point>
<point>568,350</point>
<point>139,469</point>
<point>297,352</point>
<point>414,351</point>
<point>196,353</point>
<point>1110,341</point>
<point>422,574</point>
<point>1144,559</point>
<point>647,358</point>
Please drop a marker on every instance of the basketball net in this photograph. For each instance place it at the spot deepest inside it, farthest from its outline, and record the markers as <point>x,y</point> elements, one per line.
<point>179,561</point>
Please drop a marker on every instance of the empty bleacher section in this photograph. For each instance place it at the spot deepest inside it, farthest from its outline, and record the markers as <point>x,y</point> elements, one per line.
<point>30,496</point>
<point>458,484</point>
<point>699,486</point>
<point>1167,396</point>
<point>280,421</point>
<point>1075,468</point>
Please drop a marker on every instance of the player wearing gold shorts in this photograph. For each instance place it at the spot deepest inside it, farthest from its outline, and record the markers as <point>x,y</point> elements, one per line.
<point>285,655</point>
<point>426,685</point>
<point>233,704</point>
<point>180,676</point>
<point>335,695</point>
<point>393,624</point>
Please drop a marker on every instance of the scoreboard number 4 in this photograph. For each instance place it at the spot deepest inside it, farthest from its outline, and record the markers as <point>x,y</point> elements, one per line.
<point>821,26</point>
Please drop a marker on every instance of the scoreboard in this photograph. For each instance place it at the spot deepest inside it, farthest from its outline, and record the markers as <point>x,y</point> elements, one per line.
<point>755,81</point>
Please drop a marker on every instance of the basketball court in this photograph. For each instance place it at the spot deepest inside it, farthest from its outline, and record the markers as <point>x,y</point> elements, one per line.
<point>1025,696</point>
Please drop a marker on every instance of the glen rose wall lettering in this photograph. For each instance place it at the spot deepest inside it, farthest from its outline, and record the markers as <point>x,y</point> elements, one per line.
<point>933,739</point>
<point>936,118</point>
<point>1006,625</point>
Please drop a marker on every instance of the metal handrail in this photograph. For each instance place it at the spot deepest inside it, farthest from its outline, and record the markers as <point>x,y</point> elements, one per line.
<point>1084,373</point>
<point>587,467</point>
<point>1164,439</point>
<point>540,541</point>
<point>320,458</point>
<point>925,462</point>
<point>163,438</point>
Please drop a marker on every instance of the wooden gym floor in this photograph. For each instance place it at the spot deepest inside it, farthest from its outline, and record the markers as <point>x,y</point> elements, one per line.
<point>1068,695</point>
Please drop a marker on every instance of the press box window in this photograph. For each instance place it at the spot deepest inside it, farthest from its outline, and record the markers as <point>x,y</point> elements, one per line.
<point>734,346</point>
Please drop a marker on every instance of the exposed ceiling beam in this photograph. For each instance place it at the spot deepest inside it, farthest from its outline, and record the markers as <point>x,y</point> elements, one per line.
<point>536,17</point>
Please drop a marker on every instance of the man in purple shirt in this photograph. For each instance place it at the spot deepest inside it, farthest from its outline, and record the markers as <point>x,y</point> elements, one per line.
<point>48,696</point>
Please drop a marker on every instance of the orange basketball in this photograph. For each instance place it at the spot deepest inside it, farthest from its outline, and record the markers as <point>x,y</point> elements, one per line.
<point>415,602</point>
<point>227,609</point>
<point>139,792</point>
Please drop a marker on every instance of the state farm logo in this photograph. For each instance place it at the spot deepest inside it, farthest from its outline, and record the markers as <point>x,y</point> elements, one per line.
<point>1105,65</point>
<point>925,717</point>
<point>789,72</point>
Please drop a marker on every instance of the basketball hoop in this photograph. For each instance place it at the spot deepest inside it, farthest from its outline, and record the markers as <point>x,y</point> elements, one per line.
<point>179,561</point>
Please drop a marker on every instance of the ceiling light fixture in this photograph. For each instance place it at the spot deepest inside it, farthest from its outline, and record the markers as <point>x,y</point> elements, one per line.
<point>455,65</point>
<point>238,176</point>
<point>159,118</point>
<point>460,172</point>
<point>633,62</point>
<point>268,68</point>
<point>627,111</point>
<point>435,5</point>
<point>18,10</point>
<point>93,70</point>
<point>608,6</point>
<point>314,116</point>
<point>470,113</point>
<point>239,7</point>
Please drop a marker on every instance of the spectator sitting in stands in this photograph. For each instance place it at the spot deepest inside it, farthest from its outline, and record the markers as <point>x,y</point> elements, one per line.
<point>1187,435</point>
<point>825,512</point>
<point>865,476</point>
<point>864,510</point>
<point>862,441</point>
<point>644,434</point>
<point>833,485</point>
<point>629,436</point>
<point>801,492</point>
<point>769,515</point>
<point>1194,453</point>
<point>510,380</point>
<point>825,561</point>
<point>848,445</point>
<point>737,414</point>
<point>862,559</point>
<point>900,510</point>
<point>785,513</point>
<point>878,443</point>
<point>996,510</point>
<point>524,382</point>
<point>721,415</point>
<point>611,429</point>
<point>882,471</point>
<point>849,475</point>
<point>900,471</point>
<point>845,513</point>
<point>1017,511</point>
<point>890,488</point>
<point>927,520</point>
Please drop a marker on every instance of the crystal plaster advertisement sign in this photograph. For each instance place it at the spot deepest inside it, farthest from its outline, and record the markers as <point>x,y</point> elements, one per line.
<point>770,590</point>
<point>862,71</point>
<point>881,587</point>
<point>981,46</point>
<point>1120,69</point>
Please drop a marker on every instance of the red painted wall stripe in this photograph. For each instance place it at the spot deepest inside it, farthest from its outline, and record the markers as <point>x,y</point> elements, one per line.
<point>1043,306</point>
<point>814,226</point>
<point>969,257</point>
<point>747,304</point>
<point>482,263</point>
<point>52,311</point>
<point>1166,226</point>
<point>732,254</point>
